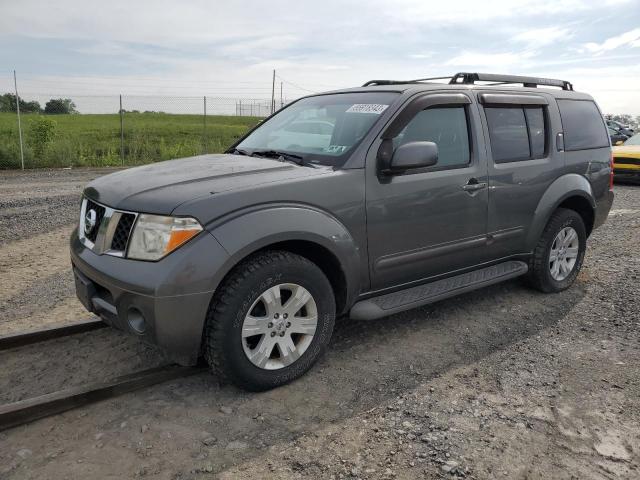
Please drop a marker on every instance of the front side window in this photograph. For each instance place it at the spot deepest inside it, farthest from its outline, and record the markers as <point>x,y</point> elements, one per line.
<point>516,133</point>
<point>444,126</point>
<point>324,129</point>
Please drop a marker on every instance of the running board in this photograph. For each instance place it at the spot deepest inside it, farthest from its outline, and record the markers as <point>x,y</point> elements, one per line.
<point>413,297</point>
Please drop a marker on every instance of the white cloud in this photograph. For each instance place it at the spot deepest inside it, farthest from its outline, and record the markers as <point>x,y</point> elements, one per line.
<point>254,46</point>
<point>421,56</point>
<point>474,12</point>
<point>539,37</point>
<point>630,38</point>
<point>489,61</point>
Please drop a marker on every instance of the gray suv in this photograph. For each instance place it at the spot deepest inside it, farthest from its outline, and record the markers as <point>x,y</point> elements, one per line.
<point>361,202</point>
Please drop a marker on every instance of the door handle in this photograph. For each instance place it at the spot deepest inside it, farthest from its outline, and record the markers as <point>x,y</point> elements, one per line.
<point>473,185</point>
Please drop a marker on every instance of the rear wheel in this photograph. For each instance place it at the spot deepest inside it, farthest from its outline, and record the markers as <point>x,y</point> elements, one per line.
<point>270,320</point>
<point>558,256</point>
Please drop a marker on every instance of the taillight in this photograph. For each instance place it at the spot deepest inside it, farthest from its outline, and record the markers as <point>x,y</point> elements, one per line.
<point>611,172</point>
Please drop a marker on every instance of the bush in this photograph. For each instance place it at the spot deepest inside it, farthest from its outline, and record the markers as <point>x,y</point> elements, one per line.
<point>42,131</point>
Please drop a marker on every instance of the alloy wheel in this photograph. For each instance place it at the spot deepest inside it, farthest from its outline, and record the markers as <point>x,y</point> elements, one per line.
<point>564,253</point>
<point>279,326</point>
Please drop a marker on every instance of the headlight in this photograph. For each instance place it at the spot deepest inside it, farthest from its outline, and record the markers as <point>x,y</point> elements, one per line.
<point>155,236</point>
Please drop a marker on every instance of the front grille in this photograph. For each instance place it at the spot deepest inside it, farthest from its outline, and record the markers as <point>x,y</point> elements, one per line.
<point>100,210</point>
<point>123,230</point>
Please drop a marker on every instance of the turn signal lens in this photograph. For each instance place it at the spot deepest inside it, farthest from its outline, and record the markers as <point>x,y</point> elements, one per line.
<point>155,236</point>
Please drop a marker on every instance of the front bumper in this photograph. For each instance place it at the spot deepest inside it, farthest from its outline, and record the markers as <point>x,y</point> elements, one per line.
<point>172,295</point>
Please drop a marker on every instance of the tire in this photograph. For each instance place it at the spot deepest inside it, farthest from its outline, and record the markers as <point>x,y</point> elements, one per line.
<point>244,304</point>
<point>542,275</point>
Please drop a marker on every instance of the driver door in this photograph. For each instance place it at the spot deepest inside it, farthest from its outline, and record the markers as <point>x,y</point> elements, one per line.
<point>429,221</point>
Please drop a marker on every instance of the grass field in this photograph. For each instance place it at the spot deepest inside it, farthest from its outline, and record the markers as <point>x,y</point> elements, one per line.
<point>94,140</point>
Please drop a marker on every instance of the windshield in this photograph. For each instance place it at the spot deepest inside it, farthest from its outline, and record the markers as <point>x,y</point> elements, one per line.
<point>635,140</point>
<point>324,129</point>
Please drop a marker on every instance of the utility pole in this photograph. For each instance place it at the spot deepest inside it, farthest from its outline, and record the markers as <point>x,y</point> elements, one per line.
<point>204,130</point>
<point>121,132</point>
<point>15,84</point>
<point>273,93</point>
<point>281,100</point>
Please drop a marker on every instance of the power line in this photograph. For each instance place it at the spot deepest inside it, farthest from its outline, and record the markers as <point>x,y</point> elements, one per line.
<point>295,86</point>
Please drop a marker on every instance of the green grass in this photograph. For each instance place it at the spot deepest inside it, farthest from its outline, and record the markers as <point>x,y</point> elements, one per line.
<point>94,140</point>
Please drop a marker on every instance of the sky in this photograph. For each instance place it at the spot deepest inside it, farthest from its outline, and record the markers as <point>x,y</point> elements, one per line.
<point>191,48</point>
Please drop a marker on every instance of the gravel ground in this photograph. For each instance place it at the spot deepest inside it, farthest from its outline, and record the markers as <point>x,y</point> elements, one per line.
<point>503,382</point>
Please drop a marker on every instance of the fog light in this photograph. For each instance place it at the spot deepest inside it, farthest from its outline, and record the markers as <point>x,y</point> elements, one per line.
<point>136,320</point>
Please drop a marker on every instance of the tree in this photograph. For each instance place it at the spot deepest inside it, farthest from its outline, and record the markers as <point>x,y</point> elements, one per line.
<point>8,104</point>
<point>625,119</point>
<point>57,106</point>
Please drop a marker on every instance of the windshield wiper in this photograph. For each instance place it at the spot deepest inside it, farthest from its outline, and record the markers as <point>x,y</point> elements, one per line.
<point>237,151</point>
<point>284,156</point>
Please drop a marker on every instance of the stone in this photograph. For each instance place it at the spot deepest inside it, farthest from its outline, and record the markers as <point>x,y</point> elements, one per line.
<point>209,441</point>
<point>237,445</point>
<point>24,453</point>
<point>449,466</point>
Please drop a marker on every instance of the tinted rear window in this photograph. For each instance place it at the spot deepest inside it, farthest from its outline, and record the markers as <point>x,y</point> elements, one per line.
<point>583,125</point>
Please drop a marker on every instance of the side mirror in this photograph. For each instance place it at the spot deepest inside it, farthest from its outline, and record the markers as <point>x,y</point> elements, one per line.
<point>414,155</point>
<point>619,142</point>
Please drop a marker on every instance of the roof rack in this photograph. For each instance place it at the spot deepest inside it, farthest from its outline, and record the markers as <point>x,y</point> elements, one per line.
<point>472,78</point>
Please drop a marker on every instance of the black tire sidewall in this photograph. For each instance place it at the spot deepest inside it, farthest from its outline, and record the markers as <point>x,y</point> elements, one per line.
<point>565,218</point>
<point>302,272</point>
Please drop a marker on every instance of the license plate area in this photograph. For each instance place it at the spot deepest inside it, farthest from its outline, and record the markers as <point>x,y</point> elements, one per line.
<point>85,290</point>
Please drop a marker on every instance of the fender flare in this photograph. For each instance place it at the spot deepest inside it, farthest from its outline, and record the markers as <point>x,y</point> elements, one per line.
<point>564,187</point>
<point>249,230</point>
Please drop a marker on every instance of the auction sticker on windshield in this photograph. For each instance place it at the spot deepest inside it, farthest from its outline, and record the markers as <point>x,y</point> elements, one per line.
<point>376,108</point>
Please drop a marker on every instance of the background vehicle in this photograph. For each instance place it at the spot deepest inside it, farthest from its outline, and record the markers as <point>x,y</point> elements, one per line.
<point>620,128</point>
<point>626,158</point>
<point>424,191</point>
<point>617,138</point>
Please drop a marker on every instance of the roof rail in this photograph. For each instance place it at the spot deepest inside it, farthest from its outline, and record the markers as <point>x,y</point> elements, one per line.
<point>471,78</point>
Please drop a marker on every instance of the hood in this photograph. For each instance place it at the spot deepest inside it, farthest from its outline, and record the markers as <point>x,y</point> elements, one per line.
<point>627,150</point>
<point>161,187</point>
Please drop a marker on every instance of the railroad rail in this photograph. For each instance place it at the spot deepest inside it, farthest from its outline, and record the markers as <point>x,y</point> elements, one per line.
<point>28,410</point>
<point>36,336</point>
<point>31,409</point>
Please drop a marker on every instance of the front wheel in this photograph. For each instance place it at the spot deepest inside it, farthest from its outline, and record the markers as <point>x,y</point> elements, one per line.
<point>270,320</point>
<point>558,256</point>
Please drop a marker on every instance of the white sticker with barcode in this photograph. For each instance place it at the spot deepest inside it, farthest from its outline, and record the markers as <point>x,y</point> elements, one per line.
<point>376,108</point>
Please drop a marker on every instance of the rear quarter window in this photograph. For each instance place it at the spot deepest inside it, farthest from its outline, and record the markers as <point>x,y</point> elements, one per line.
<point>583,125</point>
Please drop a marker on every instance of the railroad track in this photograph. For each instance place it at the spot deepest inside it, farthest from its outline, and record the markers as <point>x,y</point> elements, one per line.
<point>31,409</point>
<point>36,336</point>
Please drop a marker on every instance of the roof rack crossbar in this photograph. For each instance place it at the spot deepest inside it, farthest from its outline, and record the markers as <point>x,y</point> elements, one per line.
<point>471,78</point>
<point>402,82</point>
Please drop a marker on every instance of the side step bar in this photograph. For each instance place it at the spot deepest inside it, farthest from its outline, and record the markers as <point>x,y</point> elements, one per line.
<point>413,297</point>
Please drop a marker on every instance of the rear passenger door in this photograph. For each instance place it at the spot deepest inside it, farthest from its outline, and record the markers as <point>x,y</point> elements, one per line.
<point>523,161</point>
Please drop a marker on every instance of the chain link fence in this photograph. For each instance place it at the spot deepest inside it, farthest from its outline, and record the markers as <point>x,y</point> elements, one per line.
<point>120,130</point>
